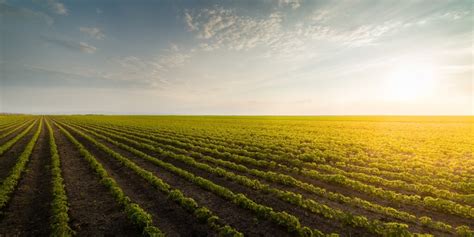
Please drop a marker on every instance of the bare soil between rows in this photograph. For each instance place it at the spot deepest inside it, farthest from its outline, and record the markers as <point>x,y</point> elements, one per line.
<point>243,220</point>
<point>419,211</point>
<point>28,211</point>
<point>92,209</point>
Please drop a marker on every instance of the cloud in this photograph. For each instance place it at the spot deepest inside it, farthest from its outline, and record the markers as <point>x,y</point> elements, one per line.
<point>92,32</point>
<point>153,72</point>
<point>221,27</point>
<point>24,14</point>
<point>455,15</point>
<point>48,70</point>
<point>58,7</point>
<point>98,11</point>
<point>73,45</point>
<point>294,4</point>
<point>366,34</point>
<point>189,21</point>
<point>84,47</point>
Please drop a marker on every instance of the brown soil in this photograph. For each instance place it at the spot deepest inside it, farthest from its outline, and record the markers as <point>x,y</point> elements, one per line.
<point>455,220</point>
<point>28,212</point>
<point>416,210</point>
<point>241,219</point>
<point>167,215</point>
<point>9,158</point>
<point>306,217</point>
<point>93,211</point>
<point>12,135</point>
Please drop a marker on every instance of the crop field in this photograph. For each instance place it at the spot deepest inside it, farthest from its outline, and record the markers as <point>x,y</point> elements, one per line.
<point>236,176</point>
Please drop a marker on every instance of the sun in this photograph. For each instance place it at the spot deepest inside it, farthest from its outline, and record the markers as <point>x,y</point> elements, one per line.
<point>409,81</point>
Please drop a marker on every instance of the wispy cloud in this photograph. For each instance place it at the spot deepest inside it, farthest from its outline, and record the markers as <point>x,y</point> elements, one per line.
<point>294,4</point>
<point>223,28</point>
<point>151,71</point>
<point>84,47</point>
<point>220,27</point>
<point>24,13</point>
<point>58,7</point>
<point>92,32</point>
<point>73,45</point>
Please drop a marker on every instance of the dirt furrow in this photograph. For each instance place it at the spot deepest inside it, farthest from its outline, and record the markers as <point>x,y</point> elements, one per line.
<point>242,219</point>
<point>93,211</point>
<point>29,209</point>
<point>9,158</point>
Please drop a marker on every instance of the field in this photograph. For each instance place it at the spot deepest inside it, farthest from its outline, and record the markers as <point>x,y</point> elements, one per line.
<point>234,176</point>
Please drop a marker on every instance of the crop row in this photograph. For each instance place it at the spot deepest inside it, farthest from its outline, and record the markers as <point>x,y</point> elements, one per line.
<point>59,204</point>
<point>373,226</point>
<point>290,222</point>
<point>313,160</point>
<point>273,177</point>
<point>9,183</point>
<point>11,128</point>
<point>5,146</point>
<point>430,202</point>
<point>284,150</point>
<point>340,162</point>
<point>134,212</point>
<point>203,214</point>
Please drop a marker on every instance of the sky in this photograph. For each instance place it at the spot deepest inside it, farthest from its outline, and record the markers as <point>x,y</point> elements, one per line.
<point>247,57</point>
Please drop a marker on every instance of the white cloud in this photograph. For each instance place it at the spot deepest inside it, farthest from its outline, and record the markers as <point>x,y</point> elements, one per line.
<point>58,7</point>
<point>152,72</point>
<point>24,14</point>
<point>366,34</point>
<point>92,32</point>
<point>98,11</point>
<point>320,16</point>
<point>189,21</point>
<point>84,47</point>
<point>71,44</point>
<point>221,27</point>
<point>294,4</point>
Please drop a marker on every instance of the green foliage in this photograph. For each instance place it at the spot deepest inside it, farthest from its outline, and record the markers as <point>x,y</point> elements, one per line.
<point>59,205</point>
<point>291,156</point>
<point>134,212</point>
<point>10,182</point>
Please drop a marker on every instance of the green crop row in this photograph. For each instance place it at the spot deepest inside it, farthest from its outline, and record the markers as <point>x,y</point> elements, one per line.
<point>59,204</point>
<point>278,151</point>
<point>373,226</point>
<point>14,126</point>
<point>263,160</point>
<point>281,178</point>
<point>290,222</point>
<point>9,184</point>
<point>441,204</point>
<point>134,212</point>
<point>202,213</point>
<point>7,145</point>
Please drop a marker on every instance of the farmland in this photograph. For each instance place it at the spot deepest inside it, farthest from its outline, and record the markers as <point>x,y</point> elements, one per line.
<point>236,176</point>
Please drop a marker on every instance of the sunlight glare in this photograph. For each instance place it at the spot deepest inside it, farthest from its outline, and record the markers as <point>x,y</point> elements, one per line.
<point>408,82</point>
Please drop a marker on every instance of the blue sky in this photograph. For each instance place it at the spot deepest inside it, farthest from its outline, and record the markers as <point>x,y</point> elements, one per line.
<point>237,57</point>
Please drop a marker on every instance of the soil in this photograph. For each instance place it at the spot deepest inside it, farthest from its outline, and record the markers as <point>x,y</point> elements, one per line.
<point>23,126</point>
<point>9,158</point>
<point>243,220</point>
<point>28,211</point>
<point>419,211</point>
<point>93,211</point>
<point>167,215</point>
